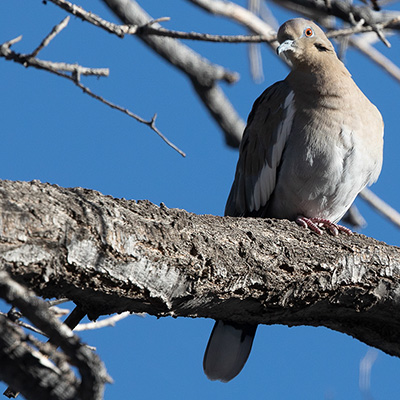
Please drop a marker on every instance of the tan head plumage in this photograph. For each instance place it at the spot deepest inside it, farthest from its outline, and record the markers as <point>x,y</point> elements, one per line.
<point>303,42</point>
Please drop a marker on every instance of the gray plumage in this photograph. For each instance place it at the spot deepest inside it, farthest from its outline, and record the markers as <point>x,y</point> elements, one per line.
<point>227,353</point>
<point>313,141</point>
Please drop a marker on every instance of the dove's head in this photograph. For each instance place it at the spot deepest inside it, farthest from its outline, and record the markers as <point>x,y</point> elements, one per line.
<point>303,42</point>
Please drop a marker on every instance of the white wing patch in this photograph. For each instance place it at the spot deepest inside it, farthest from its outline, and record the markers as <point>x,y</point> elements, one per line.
<point>265,182</point>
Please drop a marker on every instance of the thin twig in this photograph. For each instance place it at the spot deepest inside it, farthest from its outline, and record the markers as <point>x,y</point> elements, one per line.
<point>122,30</point>
<point>111,321</point>
<point>9,43</point>
<point>119,30</point>
<point>57,302</point>
<point>206,37</point>
<point>24,324</point>
<point>360,28</point>
<point>376,56</point>
<point>151,124</point>
<point>75,72</point>
<point>15,317</point>
<point>381,36</point>
<point>54,67</point>
<point>242,16</point>
<point>54,32</point>
<point>60,312</point>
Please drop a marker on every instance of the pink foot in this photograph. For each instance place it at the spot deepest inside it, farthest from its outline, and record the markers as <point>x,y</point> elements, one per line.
<point>315,224</point>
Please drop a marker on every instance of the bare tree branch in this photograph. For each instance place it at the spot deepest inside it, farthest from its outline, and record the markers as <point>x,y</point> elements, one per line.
<point>361,28</point>
<point>212,96</point>
<point>111,255</point>
<point>27,60</point>
<point>54,32</point>
<point>242,16</point>
<point>80,12</point>
<point>344,10</point>
<point>382,207</point>
<point>376,56</point>
<point>22,324</point>
<point>358,16</point>
<point>30,372</point>
<point>110,321</point>
<point>91,369</point>
<point>179,55</point>
<point>142,258</point>
<point>122,30</point>
<point>206,37</point>
<point>75,72</point>
<point>201,72</point>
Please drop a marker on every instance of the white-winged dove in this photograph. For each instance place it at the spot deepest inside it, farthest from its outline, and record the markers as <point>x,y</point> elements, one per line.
<point>313,141</point>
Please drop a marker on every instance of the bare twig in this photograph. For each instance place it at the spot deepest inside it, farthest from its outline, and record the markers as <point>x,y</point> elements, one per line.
<point>91,369</point>
<point>27,60</point>
<point>62,69</point>
<point>56,302</point>
<point>242,16</point>
<point>122,30</point>
<point>16,320</point>
<point>206,37</point>
<point>9,43</point>
<point>111,321</point>
<point>376,56</point>
<point>203,74</point>
<point>54,32</point>
<point>24,325</point>
<point>360,27</point>
<point>381,36</point>
<point>60,312</point>
<point>119,30</point>
<point>378,204</point>
<point>347,11</point>
<point>260,38</point>
<point>151,124</point>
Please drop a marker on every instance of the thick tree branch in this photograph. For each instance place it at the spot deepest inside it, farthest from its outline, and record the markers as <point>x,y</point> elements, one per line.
<point>113,255</point>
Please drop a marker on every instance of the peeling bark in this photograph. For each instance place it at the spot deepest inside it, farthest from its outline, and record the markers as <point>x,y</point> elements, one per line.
<point>111,255</point>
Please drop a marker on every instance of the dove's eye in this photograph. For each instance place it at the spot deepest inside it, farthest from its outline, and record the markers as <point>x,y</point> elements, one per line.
<point>308,32</point>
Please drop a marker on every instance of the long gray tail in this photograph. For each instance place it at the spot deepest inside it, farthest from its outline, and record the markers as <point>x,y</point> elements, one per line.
<point>227,350</point>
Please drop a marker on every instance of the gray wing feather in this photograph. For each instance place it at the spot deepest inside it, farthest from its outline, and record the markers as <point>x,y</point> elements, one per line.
<point>268,128</point>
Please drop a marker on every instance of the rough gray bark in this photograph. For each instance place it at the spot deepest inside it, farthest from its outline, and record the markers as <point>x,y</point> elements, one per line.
<point>111,255</point>
<point>45,373</point>
<point>19,365</point>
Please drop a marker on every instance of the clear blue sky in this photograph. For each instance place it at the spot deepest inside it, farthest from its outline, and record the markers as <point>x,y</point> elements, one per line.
<point>53,132</point>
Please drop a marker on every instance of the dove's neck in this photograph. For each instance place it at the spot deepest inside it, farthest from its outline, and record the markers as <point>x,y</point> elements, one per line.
<point>331,79</point>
